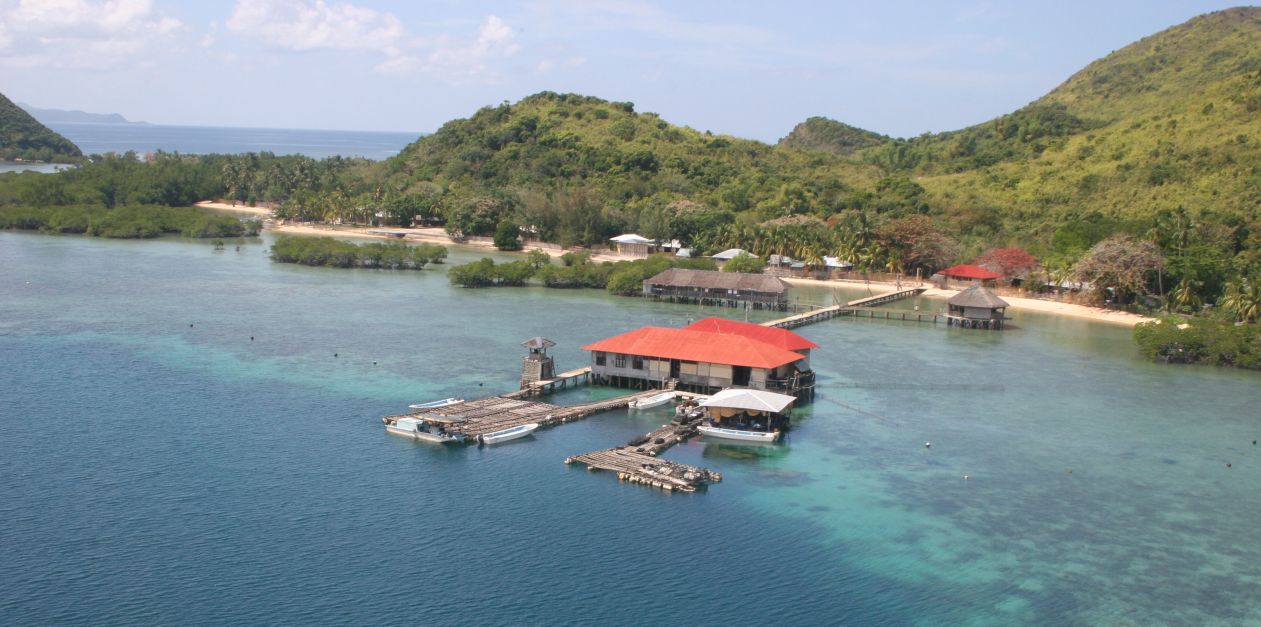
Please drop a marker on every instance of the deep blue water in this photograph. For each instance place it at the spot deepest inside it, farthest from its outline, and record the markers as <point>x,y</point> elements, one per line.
<point>157,472</point>
<point>142,138</point>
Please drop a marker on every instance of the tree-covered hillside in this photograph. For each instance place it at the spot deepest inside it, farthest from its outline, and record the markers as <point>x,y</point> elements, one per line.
<point>825,135</point>
<point>23,137</point>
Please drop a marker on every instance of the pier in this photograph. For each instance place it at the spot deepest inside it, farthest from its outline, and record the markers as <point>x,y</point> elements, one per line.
<point>851,308</point>
<point>495,413</point>
<point>558,382</point>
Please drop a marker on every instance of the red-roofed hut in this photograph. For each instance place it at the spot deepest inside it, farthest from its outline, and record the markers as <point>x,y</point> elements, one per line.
<point>969,273</point>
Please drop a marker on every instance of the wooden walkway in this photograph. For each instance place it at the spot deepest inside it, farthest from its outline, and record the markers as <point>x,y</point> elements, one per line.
<point>487,415</point>
<point>546,386</point>
<point>825,313</point>
<point>638,463</point>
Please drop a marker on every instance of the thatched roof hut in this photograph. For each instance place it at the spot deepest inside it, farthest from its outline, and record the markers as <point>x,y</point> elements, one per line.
<point>977,307</point>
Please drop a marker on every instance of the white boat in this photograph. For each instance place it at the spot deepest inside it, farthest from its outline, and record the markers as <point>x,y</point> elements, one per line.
<point>503,435</point>
<point>653,401</point>
<point>436,404</point>
<point>739,434</point>
<point>421,430</point>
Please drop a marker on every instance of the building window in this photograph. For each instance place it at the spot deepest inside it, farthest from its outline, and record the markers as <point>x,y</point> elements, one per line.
<point>619,361</point>
<point>637,362</point>
<point>599,359</point>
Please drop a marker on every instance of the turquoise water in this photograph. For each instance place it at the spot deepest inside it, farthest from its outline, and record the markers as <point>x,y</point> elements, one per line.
<point>158,472</point>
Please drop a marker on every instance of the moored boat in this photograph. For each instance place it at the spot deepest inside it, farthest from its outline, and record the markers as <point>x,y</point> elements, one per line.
<point>738,434</point>
<point>436,404</point>
<point>421,429</point>
<point>653,401</point>
<point>512,433</point>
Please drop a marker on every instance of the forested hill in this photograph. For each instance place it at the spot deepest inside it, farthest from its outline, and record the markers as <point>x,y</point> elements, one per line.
<point>825,135</point>
<point>1171,120</point>
<point>607,167</point>
<point>23,137</point>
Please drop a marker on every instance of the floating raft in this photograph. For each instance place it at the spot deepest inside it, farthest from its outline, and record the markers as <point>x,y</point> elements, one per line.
<point>638,463</point>
<point>495,413</point>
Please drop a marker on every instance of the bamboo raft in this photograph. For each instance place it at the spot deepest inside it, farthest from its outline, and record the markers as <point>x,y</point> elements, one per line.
<point>638,463</point>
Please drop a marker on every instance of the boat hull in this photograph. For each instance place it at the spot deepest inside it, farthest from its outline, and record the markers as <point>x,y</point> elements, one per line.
<point>739,434</point>
<point>652,401</point>
<point>509,434</point>
<point>436,404</point>
<point>409,432</point>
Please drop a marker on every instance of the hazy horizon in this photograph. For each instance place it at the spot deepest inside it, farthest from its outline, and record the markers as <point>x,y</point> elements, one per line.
<point>738,69</point>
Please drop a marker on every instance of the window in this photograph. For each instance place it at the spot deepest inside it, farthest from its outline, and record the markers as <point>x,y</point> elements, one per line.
<point>599,358</point>
<point>619,361</point>
<point>637,362</point>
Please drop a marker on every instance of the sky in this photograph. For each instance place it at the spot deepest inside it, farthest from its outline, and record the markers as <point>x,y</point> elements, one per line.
<point>749,69</point>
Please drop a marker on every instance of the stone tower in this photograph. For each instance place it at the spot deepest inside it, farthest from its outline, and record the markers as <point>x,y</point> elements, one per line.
<point>537,365</point>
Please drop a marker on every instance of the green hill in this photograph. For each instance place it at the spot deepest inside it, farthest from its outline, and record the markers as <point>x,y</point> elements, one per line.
<point>608,169</point>
<point>1171,120</point>
<point>23,137</point>
<point>826,135</point>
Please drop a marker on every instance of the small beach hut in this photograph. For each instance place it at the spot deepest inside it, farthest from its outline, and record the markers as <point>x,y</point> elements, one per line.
<point>977,307</point>
<point>745,408</point>
<point>633,244</point>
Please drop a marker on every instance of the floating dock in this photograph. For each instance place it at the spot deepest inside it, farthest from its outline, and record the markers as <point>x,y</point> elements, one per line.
<point>495,413</point>
<point>637,462</point>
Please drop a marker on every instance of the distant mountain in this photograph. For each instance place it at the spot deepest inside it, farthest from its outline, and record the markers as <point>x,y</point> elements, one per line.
<point>826,135</point>
<point>23,137</point>
<point>63,116</point>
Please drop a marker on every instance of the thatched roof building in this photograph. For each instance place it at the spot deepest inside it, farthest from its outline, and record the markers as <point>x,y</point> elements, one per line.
<point>711,287</point>
<point>977,307</point>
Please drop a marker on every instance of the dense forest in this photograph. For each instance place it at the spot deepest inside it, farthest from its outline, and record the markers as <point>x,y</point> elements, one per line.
<point>23,137</point>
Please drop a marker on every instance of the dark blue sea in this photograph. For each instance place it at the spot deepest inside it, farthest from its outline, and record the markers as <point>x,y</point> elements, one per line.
<point>191,436</point>
<point>142,138</point>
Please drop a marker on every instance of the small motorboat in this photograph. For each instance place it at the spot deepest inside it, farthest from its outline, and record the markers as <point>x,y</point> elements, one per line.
<point>436,404</point>
<point>738,434</point>
<point>503,435</point>
<point>653,401</point>
<point>421,429</point>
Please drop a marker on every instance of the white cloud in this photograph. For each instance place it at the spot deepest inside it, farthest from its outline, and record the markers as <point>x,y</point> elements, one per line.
<point>304,25</point>
<point>313,25</point>
<point>81,33</point>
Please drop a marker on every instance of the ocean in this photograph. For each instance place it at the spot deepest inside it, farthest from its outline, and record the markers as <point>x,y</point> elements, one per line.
<point>193,436</point>
<point>318,144</point>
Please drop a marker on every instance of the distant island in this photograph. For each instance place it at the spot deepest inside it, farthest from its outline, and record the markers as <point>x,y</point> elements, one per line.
<point>74,116</point>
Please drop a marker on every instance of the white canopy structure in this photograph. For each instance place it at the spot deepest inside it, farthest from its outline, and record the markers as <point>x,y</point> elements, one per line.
<point>730,253</point>
<point>631,238</point>
<point>755,400</point>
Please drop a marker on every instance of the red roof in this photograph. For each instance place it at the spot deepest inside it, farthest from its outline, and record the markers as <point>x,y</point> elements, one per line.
<point>782,338</point>
<point>682,344</point>
<point>968,271</point>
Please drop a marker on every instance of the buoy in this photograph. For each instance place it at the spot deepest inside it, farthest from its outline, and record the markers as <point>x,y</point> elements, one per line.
<point>251,338</point>
<point>965,477</point>
<point>1228,465</point>
<point>334,354</point>
<point>928,445</point>
<point>190,325</point>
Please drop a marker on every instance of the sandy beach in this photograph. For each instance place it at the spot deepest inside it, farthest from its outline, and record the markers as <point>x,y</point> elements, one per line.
<point>1017,302</point>
<point>439,236</point>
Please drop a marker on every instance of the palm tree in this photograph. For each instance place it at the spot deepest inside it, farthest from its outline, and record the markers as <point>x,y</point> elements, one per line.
<point>1242,299</point>
<point>1186,295</point>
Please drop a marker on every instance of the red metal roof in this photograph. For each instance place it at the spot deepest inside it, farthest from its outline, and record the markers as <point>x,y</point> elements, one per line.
<point>700,346</point>
<point>782,338</point>
<point>968,271</point>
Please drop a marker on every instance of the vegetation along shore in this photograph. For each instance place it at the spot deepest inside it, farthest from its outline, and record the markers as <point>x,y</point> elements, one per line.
<point>1135,184</point>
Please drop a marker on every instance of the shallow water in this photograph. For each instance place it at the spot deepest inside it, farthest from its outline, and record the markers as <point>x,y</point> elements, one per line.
<point>159,472</point>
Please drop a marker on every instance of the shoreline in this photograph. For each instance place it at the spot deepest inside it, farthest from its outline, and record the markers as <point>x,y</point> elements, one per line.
<point>1039,305</point>
<point>435,235</point>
